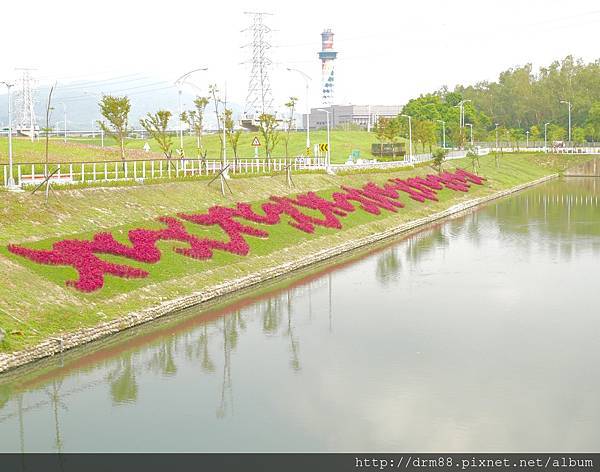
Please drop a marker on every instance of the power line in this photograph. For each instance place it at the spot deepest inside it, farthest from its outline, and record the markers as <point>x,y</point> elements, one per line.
<point>86,96</point>
<point>112,81</point>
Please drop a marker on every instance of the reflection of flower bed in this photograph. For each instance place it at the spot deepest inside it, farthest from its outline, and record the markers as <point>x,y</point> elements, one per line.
<point>82,255</point>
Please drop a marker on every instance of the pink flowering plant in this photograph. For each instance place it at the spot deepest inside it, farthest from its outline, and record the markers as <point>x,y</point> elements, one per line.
<point>227,232</point>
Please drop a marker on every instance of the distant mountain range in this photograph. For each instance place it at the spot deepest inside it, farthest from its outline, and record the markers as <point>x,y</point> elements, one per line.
<point>81,102</point>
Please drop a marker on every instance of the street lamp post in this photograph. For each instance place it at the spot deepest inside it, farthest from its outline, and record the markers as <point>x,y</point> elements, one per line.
<point>496,124</point>
<point>546,137</point>
<point>569,105</point>
<point>470,125</point>
<point>307,80</point>
<point>179,82</point>
<point>65,121</point>
<point>527,139</point>
<point>461,105</point>
<point>443,133</point>
<point>328,164</point>
<point>10,182</point>
<point>410,149</point>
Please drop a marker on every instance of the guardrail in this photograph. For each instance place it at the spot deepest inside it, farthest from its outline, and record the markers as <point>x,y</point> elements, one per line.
<point>107,171</point>
<point>554,150</point>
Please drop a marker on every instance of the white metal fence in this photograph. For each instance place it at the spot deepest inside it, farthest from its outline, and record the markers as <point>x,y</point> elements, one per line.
<point>106,171</point>
<point>416,159</point>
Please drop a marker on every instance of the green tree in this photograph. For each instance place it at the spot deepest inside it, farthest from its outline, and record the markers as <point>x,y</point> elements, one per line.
<point>268,129</point>
<point>233,135</point>
<point>116,111</point>
<point>535,133</point>
<point>556,133</point>
<point>439,156</point>
<point>156,126</point>
<point>424,133</point>
<point>195,119</point>
<point>391,133</point>
<point>474,158</point>
<point>380,132</point>
<point>578,135</point>
<point>593,120</point>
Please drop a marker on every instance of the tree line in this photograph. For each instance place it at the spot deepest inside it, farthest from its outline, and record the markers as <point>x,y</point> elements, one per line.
<point>115,111</point>
<point>515,107</point>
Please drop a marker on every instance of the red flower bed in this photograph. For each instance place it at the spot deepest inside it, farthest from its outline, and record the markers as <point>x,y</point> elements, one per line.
<point>372,198</point>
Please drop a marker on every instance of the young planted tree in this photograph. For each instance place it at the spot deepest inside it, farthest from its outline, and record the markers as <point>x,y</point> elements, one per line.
<point>47,129</point>
<point>291,106</point>
<point>474,158</point>
<point>233,135</point>
<point>116,111</point>
<point>214,93</point>
<point>268,129</point>
<point>156,126</point>
<point>439,156</point>
<point>195,119</point>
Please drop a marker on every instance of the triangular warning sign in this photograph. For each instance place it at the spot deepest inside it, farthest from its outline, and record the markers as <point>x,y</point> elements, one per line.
<point>255,141</point>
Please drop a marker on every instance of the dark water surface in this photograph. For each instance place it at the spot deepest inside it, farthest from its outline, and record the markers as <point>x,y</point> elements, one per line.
<point>480,334</point>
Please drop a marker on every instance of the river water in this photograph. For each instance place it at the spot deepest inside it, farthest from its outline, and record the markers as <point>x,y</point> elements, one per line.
<point>479,334</point>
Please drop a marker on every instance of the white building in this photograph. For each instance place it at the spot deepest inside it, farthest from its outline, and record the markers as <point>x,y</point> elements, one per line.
<point>364,116</point>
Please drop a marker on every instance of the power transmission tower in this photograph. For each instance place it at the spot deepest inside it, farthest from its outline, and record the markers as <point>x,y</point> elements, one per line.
<point>25,103</point>
<point>260,95</point>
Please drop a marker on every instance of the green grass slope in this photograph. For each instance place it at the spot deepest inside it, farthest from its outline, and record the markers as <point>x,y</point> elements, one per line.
<point>35,303</point>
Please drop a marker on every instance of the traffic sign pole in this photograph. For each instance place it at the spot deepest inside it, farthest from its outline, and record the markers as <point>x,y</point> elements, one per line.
<point>256,144</point>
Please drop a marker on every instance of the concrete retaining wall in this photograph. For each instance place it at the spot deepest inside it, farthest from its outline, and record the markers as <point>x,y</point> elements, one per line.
<point>587,169</point>
<point>82,336</point>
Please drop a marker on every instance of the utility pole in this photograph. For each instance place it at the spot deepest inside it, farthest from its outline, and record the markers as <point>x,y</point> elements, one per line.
<point>410,149</point>
<point>307,80</point>
<point>527,139</point>
<point>179,119</point>
<point>569,104</point>
<point>546,137</point>
<point>328,164</point>
<point>226,173</point>
<point>443,133</point>
<point>10,183</point>
<point>497,135</point>
<point>470,125</point>
<point>65,121</point>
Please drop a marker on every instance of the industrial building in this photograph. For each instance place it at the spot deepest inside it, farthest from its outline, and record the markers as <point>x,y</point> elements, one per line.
<point>364,116</point>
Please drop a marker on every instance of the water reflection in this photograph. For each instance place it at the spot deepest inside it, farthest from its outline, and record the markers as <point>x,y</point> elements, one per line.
<point>452,339</point>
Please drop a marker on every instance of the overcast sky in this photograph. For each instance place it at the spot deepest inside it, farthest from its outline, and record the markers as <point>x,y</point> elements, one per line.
<point>389,51</point>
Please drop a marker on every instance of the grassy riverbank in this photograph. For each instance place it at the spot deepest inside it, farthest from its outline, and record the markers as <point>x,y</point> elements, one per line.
<point>35,303</point>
